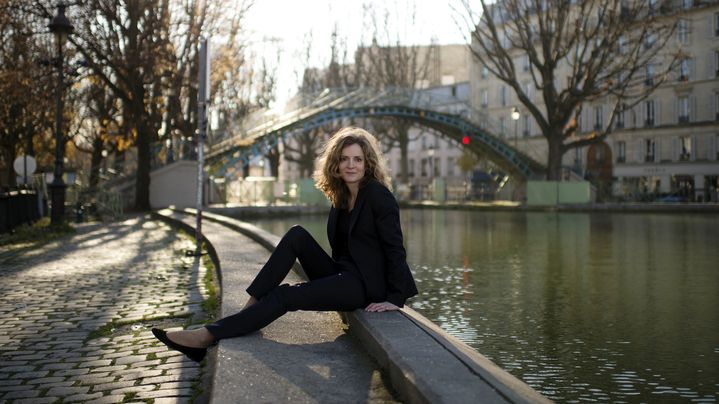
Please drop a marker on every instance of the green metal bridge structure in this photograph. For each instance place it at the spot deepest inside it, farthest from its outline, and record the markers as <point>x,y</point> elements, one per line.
<point>471,129</point>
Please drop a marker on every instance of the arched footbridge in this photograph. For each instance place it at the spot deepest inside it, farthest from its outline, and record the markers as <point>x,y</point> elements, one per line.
<point>336,106</point>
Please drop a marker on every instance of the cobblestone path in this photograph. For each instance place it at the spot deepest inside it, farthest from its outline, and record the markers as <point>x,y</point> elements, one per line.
<point>58,341</point>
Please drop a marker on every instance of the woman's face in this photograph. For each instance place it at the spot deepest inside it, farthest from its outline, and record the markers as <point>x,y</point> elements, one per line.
<point>352,164</point>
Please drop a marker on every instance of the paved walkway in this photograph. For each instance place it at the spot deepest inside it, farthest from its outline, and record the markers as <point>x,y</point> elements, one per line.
<point>302,357</point>
<point>55,298</point>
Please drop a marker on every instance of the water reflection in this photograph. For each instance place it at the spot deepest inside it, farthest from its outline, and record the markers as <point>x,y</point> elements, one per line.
<point>583,307</point>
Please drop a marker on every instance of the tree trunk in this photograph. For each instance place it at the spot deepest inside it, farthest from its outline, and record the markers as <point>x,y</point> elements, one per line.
<point>554,158</point>
<point>403,141</point>
<point>96,160</point>
<point>274,157</point>
<point>9,158</point>
<point>142,181</point>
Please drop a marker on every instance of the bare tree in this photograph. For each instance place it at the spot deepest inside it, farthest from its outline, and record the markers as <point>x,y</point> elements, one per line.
<point>25,107</point>
<point>100,120</point>
<point>339,75</point>
<point>577,52</point>
<point>388,62</point>
<point>126,45</point>
<point>145,54</point>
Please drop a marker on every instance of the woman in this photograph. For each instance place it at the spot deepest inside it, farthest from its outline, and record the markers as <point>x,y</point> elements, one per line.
<point>368,266</point>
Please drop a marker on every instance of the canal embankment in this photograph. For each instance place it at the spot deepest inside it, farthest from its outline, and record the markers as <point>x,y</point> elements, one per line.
<point>420,362</point>
<point>275,211</point>
<point>627,207</point>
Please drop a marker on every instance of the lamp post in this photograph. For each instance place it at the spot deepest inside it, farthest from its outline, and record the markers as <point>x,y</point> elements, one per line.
<point>515,118</point>
<point>61,28</point>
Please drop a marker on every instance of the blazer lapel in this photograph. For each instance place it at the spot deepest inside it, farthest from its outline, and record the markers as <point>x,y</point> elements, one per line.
<point>357,209</point>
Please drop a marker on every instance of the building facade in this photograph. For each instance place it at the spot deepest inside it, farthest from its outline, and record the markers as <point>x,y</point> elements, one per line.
<point>667,145</point>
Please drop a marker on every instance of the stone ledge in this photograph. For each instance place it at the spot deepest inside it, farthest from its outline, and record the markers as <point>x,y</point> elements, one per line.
<point>423,362</point>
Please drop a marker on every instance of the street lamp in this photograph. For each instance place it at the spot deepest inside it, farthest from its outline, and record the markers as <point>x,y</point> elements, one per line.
<point>61,28</point>
<point>515,118</point>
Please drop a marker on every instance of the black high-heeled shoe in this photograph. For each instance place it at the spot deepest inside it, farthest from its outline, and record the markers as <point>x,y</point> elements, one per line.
<point>196,354</point>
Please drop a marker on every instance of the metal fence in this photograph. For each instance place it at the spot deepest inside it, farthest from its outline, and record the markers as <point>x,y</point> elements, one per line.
<point>19,207</point>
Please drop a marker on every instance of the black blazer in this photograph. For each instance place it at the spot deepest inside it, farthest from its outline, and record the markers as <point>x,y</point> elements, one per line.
<point>375,244</point>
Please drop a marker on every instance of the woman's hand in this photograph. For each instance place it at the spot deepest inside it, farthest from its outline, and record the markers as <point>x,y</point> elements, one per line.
<point>379,307</point>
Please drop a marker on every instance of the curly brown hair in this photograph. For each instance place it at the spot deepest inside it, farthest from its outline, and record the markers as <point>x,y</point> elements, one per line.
<point>327,175</point>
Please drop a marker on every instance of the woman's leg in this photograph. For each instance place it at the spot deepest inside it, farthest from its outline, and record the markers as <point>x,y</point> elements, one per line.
<point>343,291</point>
<point>296,244</point>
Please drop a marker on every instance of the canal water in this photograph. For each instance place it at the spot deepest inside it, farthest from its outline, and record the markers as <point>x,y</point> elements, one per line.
<point>601,307</point>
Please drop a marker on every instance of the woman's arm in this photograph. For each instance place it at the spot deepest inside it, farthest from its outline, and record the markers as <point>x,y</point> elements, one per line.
<point>400,284</point>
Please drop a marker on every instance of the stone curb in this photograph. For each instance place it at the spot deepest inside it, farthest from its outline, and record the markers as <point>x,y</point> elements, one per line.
<point>424,363</point>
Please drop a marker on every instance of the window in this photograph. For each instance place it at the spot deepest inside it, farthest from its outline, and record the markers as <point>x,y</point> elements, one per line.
<point>484,96</point>
<point>527,88</point>
<point>506,41</point>
<point>425,163</point>
<point>683,105</point>
<point>580,122</point>
<point>503,96</point>
<point>621,152</point>
<point>526,128</point>
<point>622,45</point>
<point>687,4</point>
<point>625,13</point>
<point>525,63</point>
<point>435,167</point>
<point>652,7</point>
<point>648,150</point>
<point>649,75</point>
<point>484,72</point>
<point>649,40</point>
<point>686,152</point>
<point>502,126</point>
<point>451,167</point>
<point>622,78</point>
<point>598,118</point>
<point>411,167</point>
<point>684,69</point>
<point>683,31</point>
<point>716,106</point>
<point>649,113</point>
<point>620,119</point>
<point>716,63</point>
<point>578,158</point>
<point>716,24</point>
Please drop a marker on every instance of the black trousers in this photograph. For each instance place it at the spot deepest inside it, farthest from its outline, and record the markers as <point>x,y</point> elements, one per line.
<point>332,286</point>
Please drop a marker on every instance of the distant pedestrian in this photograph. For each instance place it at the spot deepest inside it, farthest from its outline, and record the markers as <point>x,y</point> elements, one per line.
<point>367,269</point>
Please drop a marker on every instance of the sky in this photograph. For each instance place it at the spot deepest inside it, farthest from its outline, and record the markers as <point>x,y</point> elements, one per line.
<point>286,24</point>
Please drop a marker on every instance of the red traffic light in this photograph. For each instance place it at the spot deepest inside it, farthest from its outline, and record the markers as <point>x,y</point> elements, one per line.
<point>465,140</point>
